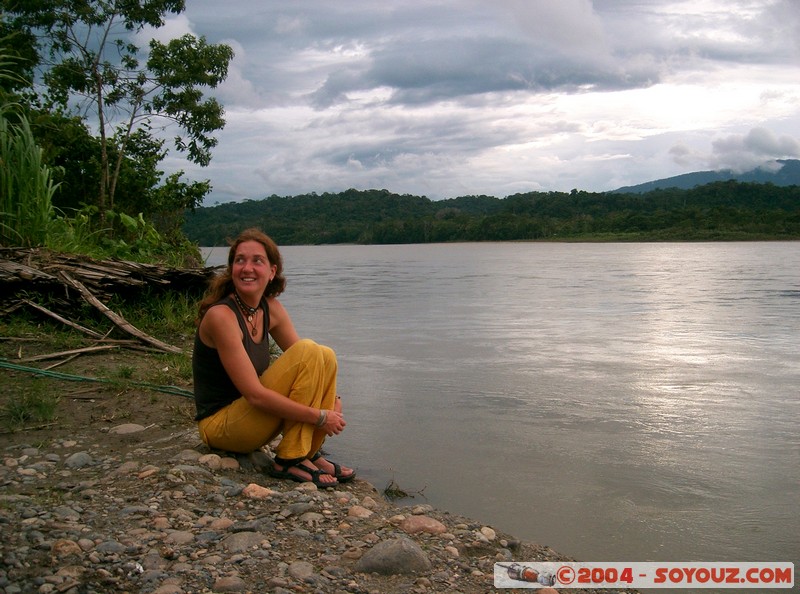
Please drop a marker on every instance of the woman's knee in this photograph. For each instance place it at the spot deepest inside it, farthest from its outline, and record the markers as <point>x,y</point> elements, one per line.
<point>328,355</point>
<point>302,346</point>
<point>306,347</point>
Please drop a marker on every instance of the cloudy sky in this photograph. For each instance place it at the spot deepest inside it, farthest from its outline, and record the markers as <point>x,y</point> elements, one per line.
<point>444,98</point>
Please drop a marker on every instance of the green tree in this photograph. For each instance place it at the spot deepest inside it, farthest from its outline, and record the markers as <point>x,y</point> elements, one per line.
<point>89,60</point>
<point>73,153</point>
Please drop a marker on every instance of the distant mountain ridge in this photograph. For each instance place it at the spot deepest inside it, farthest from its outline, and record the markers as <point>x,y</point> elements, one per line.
<point>787,175</point>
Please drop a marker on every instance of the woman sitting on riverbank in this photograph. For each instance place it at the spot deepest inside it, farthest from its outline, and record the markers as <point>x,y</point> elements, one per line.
<point>243,401</point>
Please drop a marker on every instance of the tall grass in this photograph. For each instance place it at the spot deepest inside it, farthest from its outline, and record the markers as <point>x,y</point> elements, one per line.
<point>26,182</point>
<point>28,217</point>
<point>168,314</point>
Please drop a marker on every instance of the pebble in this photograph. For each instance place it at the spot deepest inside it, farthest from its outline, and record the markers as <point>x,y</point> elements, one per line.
<point>79,460</point>
<point>254,491</point>
<point>488,533</point>
<point>358,511</point>
<point>168,516</point>
<point>230,584</point>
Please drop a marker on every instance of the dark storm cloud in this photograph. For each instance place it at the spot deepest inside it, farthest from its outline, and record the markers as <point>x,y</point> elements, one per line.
<point>448,69</point>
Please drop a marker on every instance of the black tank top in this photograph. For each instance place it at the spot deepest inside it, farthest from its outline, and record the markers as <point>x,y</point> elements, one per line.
<point>213,389</point>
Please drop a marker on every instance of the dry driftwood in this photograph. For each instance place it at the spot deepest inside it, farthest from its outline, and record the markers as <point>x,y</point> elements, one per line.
<point>37,270</point>
<point>92,349</point>
<point>58,318</point>
<point>68,280</point>
<point>117,319</point>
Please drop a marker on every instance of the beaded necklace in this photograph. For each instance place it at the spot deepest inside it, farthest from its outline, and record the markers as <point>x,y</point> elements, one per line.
<point>250,312</point>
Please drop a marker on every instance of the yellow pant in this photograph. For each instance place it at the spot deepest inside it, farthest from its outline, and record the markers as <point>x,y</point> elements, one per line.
<point>306,373</point>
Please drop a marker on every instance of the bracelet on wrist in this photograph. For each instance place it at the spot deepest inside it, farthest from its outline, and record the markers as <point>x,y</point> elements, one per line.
<point>323,417</point>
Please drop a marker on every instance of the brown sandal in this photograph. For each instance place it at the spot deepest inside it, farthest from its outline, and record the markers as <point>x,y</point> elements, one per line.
<point>337,469</point>
<point>314,472</point>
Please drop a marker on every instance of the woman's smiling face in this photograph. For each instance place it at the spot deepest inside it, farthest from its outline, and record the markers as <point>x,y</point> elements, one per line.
<point>251,270</point>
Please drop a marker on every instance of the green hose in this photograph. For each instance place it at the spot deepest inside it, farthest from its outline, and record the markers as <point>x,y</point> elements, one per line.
<point>5,363</point>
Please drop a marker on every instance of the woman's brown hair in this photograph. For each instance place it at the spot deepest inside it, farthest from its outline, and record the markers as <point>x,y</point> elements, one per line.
<point>222,284</point>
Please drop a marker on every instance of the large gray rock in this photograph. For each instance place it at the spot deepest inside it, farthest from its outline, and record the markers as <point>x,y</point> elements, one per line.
<point>242,541</point>
<point>392,557</point>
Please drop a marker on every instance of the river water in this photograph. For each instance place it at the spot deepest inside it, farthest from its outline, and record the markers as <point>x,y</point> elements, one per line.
<point>618,402</point>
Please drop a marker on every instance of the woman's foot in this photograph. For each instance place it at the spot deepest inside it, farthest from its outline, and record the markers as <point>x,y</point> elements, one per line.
<point>341,473</point>
<point>303,472</point>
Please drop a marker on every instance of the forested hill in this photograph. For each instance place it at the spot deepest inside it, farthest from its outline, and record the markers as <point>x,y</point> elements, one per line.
<point>719,211</point>
<point>787,174</point>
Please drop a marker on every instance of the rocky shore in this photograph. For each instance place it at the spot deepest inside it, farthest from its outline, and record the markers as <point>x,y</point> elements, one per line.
<point>133,508</point>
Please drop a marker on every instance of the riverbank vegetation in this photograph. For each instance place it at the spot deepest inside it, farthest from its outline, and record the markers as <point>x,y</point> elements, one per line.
<point>719,211</point>
<point>93,259</point>
<point>82,107</point>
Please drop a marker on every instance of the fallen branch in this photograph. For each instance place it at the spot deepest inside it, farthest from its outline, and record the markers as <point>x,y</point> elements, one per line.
<point>77,353</point>
<point>91,349</point>
<point>115,318</point>
<point>57,317</point>
<point>23,429</point>
<point>63,361</point>
<point>22,272</point>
